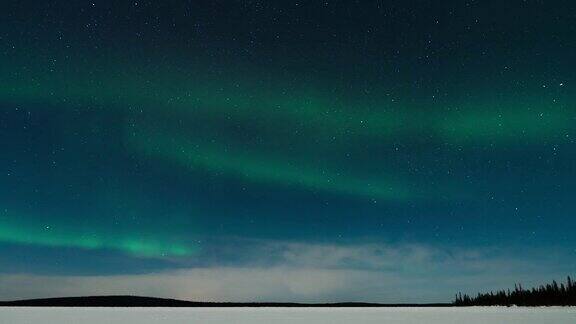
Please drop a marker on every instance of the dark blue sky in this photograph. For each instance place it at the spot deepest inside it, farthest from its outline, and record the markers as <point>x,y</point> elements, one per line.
<point>394,151</point>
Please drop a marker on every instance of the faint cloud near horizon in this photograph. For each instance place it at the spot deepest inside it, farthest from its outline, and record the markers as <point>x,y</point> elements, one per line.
<point>305,272</point>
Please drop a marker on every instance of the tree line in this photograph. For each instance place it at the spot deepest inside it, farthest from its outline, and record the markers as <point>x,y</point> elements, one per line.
<point>552,294</point>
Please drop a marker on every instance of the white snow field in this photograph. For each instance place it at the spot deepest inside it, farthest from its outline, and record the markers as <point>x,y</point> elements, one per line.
<point>433,315</point>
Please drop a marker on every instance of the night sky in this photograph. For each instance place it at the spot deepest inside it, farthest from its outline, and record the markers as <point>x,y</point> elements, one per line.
<point>385,151</point>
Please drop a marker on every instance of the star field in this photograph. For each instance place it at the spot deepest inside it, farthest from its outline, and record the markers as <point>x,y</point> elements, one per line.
<point>165,134</point>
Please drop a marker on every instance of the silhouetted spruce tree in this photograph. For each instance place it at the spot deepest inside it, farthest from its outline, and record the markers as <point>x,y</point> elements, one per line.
<point>549,295</point>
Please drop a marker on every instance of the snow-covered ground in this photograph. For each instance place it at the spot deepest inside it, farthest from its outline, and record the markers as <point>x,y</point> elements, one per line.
<point>468,315</point>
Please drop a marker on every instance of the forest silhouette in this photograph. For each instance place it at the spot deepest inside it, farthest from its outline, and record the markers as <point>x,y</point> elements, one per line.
<point>552,294</point>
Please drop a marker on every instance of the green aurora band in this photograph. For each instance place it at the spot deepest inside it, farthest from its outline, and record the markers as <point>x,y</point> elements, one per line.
<point>296,115</point>
<point>261,169</point>
<point>192,94</point>
<point>52,236</point>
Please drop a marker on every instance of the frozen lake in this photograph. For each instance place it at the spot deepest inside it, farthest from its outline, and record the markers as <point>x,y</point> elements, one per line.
<point>468,315</point>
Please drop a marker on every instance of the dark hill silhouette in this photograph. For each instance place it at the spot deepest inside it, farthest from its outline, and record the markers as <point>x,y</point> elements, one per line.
<point>102,301</point>
<point>136,301</point>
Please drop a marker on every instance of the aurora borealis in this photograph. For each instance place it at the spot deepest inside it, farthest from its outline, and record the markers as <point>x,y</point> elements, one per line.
<point>185,144</point>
